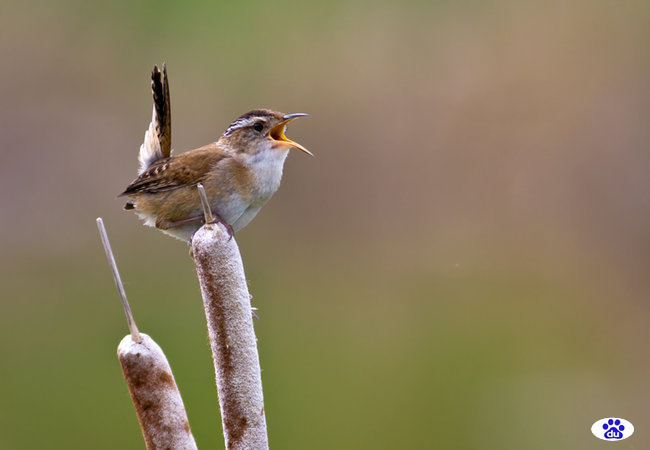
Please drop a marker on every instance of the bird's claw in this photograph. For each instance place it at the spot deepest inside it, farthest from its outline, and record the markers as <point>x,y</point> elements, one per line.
<point>229,228</point>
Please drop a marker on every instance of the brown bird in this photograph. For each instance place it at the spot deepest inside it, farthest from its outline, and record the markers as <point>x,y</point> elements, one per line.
<point>240,172</point>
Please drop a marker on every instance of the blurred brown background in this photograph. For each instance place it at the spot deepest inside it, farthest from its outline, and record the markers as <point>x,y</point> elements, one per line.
<point>463,265</point>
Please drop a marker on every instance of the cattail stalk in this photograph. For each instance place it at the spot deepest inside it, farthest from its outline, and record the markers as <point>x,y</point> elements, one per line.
<point>232,337</point>
<point>118,281</point>
<point>157,401</point>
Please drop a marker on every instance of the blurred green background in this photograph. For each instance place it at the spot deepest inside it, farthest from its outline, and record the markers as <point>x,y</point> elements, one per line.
<point>463,265</point>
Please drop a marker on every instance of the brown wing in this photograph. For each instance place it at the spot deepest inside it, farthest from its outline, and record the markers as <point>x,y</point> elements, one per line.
<point>160,88</point>
<point>186,169</point>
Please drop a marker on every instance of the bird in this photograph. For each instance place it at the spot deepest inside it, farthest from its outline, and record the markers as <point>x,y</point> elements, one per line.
<point>239,172</point>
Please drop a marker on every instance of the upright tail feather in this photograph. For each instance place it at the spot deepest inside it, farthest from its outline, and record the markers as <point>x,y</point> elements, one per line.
<point>157,138</point>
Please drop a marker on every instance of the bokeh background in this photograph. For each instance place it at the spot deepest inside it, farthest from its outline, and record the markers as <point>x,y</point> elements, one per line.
<point>463,265</point>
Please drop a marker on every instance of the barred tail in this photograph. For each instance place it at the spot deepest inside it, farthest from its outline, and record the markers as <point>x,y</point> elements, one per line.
<point>157,138</point>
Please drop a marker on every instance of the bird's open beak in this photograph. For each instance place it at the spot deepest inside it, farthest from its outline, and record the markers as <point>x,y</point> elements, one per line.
<point>277,133</point>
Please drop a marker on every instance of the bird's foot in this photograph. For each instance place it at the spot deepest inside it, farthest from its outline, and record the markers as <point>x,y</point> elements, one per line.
<point>229,227</point>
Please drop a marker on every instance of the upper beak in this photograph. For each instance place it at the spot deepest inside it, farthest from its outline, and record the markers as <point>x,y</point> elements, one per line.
<point>277,132</point>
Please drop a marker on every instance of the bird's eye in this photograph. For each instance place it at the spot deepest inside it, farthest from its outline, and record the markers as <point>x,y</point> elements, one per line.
<point>258,126</point>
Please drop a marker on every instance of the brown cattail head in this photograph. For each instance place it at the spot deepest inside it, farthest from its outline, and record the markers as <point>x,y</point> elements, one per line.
<point>156,398</point>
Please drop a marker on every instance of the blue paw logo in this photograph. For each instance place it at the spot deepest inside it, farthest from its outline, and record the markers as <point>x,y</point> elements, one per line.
<point>612,429</point>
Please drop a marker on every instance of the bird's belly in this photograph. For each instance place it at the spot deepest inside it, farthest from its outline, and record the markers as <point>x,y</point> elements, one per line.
<point>231,209</point>
<point>246,217</point>
<point>240,210</point>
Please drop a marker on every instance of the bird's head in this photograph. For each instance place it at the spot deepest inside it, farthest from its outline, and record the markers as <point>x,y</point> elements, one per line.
<point>259,129</point>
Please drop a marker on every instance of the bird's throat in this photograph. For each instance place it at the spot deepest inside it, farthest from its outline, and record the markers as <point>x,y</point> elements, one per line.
<point>266,166</point>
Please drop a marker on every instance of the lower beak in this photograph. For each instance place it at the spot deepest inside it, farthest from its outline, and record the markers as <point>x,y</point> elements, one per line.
<point>277,133</point>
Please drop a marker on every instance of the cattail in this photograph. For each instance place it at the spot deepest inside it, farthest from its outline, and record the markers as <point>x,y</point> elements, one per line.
<point>232,337</point>
<point>157,401</point>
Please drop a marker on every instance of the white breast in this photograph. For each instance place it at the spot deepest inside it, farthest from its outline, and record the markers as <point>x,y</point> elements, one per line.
<point>267,167</point>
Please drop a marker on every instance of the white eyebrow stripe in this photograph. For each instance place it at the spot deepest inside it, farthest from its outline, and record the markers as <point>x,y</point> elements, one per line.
<point>240,123</point>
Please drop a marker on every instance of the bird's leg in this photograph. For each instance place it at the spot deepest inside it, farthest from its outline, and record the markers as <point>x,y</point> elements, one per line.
<point>209,216</point>
<point>216,219</point>
<point>183,221</point>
